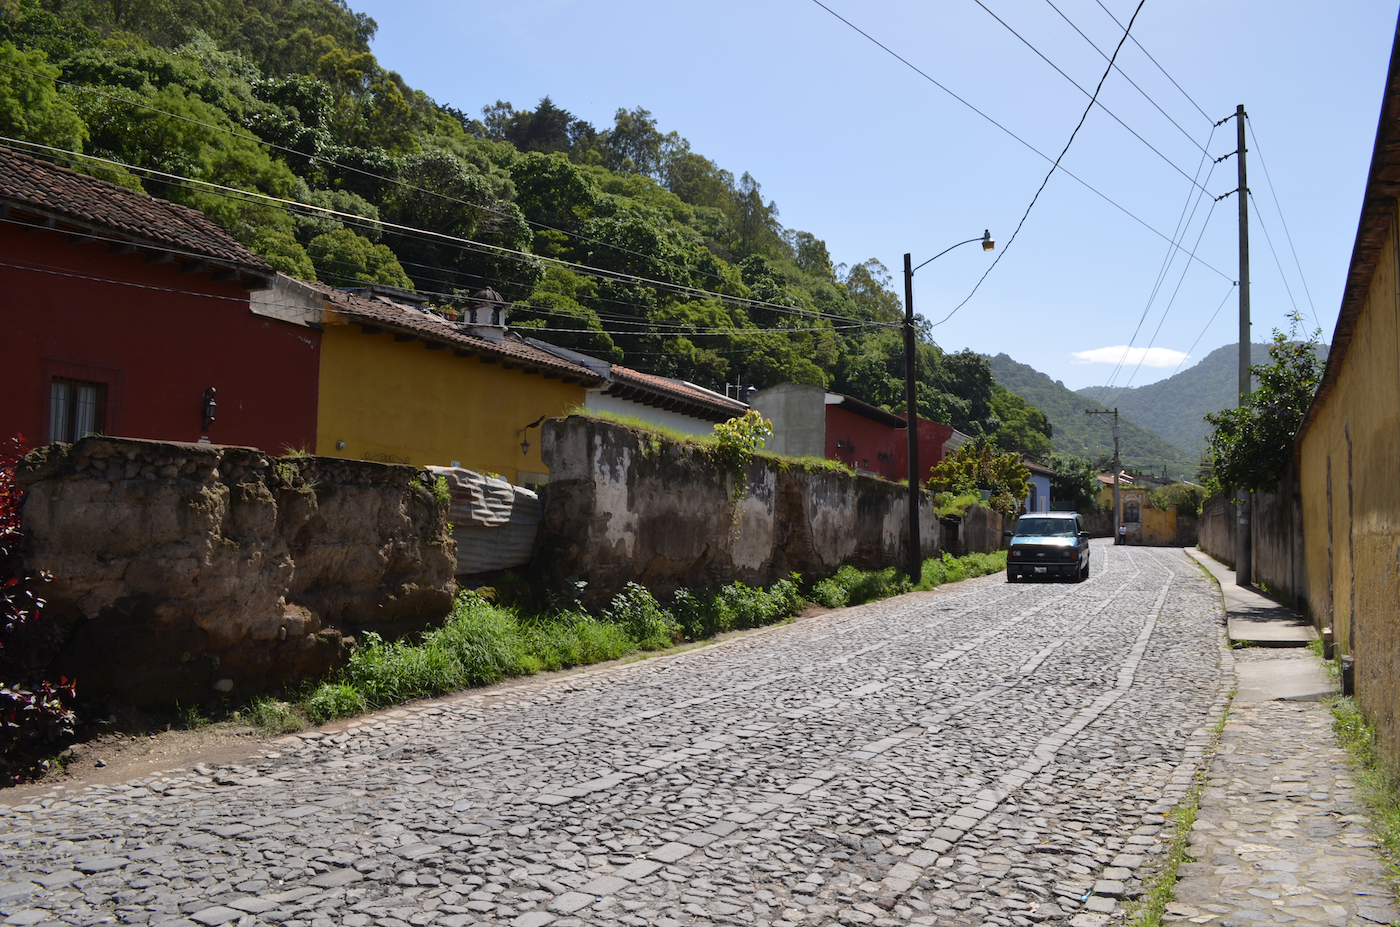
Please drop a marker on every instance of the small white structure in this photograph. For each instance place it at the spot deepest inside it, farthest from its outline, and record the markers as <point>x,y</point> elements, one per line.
<point>493,522</point>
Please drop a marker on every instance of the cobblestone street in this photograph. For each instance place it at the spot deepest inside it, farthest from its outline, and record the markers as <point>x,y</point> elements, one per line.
<point>984,754</point>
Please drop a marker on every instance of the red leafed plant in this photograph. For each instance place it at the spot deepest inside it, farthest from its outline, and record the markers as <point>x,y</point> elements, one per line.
<point>33,711</point>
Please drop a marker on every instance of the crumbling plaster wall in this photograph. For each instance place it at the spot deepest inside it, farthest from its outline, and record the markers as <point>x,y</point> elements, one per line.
<point>624,505</point>
<point>183,570</point>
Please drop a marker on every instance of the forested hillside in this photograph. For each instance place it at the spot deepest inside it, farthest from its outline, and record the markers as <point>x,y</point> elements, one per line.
<point>617,240</point>
<point>1175,408</point>
<point>1091,436</point>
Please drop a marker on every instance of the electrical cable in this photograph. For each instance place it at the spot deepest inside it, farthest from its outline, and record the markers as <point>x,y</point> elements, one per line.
<point>1259,150</point>
<point>1206,328</point>
<point>441,237</point>
<point>1262,227</point>
<point>1076,178</point>
<point>1048,175</point>
<point>1154,61</point>
<point>1144,93</point>
<point>362,172</point>
<point>1094,101</point>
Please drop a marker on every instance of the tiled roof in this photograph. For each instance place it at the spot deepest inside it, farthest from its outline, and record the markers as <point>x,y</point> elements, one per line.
<point>57,197</point>
<point>375,314</point>
<point>674,395</point>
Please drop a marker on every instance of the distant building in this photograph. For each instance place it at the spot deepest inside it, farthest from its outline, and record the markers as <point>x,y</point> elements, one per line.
<point>809,421</point>
<point>1038,498</point>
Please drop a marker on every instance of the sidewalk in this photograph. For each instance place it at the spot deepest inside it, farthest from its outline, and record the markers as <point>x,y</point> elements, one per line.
<point>1281,835</point>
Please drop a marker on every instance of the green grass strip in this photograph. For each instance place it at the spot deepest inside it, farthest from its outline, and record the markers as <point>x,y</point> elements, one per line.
<point>1375,784</point>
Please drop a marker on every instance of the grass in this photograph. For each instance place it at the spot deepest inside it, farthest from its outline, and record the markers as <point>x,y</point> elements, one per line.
<point>1147,911</point>
<point>1377,787</point>
<point>851,586</point>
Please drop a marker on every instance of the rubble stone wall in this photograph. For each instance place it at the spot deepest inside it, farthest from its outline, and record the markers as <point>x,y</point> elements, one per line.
<point>186,570</point>
<point>629,506</point>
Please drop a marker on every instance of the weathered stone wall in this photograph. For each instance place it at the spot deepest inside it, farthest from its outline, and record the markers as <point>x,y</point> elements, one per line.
<point>1276,533</point>
<point>183,570</point>
<point>1217,528</point>
<point>627,506</point>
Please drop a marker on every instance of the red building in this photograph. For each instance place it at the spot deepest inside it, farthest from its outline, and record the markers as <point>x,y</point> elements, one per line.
<point>127,315</point>
<point>809,421</point>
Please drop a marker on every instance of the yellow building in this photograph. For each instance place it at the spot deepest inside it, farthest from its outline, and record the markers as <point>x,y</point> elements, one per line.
<point>1146,524</point>
<point>1347,454</point>
<point>403,384</point>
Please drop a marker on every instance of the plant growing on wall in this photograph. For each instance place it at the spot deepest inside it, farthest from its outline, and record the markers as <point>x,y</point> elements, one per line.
<point>1253,444</point>
<point>737,441</point>
<point>33,712</point>
<point>977,467</point>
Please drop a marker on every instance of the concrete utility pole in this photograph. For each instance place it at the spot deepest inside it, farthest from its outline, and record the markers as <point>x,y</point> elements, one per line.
<point>1117,466</point>
<point>916,554</point>
<point>1244,546</point>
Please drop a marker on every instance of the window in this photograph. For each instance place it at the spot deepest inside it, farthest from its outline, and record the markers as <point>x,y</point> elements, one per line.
<point>1132,511</point>
<point>76,409</point>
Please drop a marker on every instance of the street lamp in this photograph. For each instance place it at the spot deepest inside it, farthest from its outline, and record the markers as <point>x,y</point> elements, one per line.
<point>916,559</point>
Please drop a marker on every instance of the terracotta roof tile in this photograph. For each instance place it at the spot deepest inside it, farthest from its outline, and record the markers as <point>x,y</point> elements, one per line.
<point>399,317</point>
<point>687,397</point>
<point>77,200</point>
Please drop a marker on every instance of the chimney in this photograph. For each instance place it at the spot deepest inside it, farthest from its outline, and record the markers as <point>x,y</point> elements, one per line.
<point>484,315</point>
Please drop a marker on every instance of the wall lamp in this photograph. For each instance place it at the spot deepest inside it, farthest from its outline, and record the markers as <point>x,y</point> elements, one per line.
<point>210,407</point>
<point>523,434</point>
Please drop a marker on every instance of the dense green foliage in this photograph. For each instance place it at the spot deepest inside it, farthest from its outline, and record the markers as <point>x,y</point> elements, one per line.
<point>977,467</point>
<point>1176,407</point>
<point>1075,482</point>
<point>1253,444</point>
<point>1187,497</point>
<point>852,586</point>
<point>1089,436</point>
<point>376,182</point>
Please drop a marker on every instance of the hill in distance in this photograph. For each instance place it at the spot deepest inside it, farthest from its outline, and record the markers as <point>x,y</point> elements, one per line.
<point>1090,436</point>
<point>1175,408</point>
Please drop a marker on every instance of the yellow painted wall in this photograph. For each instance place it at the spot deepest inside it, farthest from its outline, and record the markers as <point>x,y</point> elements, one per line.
<point>1155,527</point>
<point>1349,477</point>
<point>387,397</point>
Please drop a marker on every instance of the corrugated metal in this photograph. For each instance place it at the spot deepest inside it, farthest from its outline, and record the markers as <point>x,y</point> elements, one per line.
<point>493,522</point>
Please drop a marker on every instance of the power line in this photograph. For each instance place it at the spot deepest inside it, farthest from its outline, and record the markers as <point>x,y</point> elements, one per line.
<point>1144,93</point>
<point>1286,288</point>
<point>1259,150</point>
<point>1206,328</point>
<point>904,61</point>
<point>1154,61</point>
<point>1049,174</point>
<point>1094,99</point>
<point>362,172</point>
<point>458,241</point>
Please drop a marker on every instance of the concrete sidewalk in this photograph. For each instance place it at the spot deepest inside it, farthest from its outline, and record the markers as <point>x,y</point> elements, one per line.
<point>1254,617</point>
<point>1281,835</point>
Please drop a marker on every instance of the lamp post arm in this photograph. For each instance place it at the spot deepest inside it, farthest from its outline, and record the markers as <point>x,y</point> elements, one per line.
<point>943,252</point>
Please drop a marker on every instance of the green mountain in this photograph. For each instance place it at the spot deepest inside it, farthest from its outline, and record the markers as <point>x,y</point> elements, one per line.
<point>1175,408</point>
<point>1090,435</point>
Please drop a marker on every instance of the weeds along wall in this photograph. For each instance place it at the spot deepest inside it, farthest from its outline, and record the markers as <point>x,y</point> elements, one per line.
<point>182,571</point>
<point>625,505</point>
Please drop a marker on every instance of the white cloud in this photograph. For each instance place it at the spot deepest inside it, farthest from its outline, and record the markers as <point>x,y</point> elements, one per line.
<point>1148,357</point>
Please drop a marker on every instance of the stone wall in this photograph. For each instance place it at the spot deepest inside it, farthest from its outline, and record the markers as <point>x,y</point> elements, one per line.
<point>1276,531</point>
<point>1216,533</point>
<point>624,505</point>
<point>185,570</point>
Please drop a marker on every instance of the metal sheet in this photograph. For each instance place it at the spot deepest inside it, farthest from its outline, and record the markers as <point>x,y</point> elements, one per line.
<point>493,522</point>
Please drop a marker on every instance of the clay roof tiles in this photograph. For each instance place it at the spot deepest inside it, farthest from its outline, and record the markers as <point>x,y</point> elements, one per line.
<point>74,201</point>
<point>372,312</point>
<point>668,393</point>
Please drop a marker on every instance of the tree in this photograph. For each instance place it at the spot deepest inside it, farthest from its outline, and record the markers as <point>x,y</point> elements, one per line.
<point>346,259</point>
<point>1252,445</point>
<point>1020,426</point>
<point>30,107</point>
<point>1075,481</point>
<point>976,467</point>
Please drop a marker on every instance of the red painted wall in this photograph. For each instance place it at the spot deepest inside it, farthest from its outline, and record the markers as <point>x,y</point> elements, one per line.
<point>859,442</point>
<point>158,337</point>
<point>931,437</point>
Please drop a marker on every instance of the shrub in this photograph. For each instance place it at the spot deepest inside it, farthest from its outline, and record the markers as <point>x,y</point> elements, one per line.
<point>830,594</point>
<point>33,711</point>
<point>863,586</point>
<point>636,610</point>
<point>334,700</point>
<point>736,606</point>
<point>575,639</point>
<point>274,716</point>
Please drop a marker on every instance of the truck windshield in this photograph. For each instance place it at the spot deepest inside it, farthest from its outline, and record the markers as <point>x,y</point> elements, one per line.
<point>1046,527</point>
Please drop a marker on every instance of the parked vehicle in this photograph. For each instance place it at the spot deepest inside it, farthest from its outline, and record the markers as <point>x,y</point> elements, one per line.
<point>1048,545</point>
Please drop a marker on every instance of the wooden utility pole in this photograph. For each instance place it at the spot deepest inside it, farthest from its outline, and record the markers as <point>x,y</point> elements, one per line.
<point>916,554</point>
<point>1244,547</point>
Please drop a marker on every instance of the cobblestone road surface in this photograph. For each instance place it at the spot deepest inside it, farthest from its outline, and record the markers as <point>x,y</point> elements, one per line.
<point>986,754</point>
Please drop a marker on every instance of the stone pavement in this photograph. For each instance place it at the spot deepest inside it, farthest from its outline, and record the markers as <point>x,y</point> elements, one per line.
<point>984,754</point>
<point>1281,837</point>
<point>1253,617</point>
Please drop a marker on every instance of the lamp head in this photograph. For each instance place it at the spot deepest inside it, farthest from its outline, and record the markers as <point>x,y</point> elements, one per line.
<point>987,243</point>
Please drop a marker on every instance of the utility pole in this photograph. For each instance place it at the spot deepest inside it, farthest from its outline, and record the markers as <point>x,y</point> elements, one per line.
<point>916,554</point>
<point>1117,466</point>
<point>1244,546</point>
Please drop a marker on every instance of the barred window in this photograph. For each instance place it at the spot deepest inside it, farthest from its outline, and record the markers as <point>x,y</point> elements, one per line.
<point>76,409</point>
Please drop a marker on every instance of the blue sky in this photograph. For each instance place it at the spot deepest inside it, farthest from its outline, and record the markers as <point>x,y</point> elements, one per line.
<point>871,157</point>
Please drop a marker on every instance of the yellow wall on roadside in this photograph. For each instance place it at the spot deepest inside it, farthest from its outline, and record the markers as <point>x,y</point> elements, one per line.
<point>397,399</point>
<point>1349,477</point>
<point>1153,527</point>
